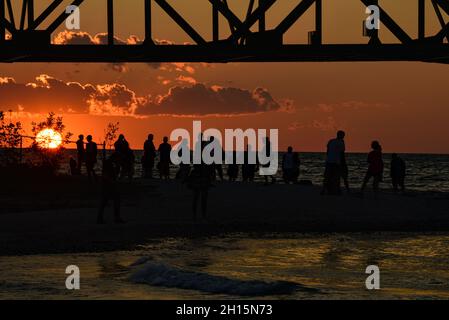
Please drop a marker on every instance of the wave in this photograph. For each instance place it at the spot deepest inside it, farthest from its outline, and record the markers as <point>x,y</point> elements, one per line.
<point>159,274</point>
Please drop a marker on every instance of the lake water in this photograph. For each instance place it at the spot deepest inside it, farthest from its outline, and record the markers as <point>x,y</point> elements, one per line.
<point>424,172</point>
<point>295,266</point>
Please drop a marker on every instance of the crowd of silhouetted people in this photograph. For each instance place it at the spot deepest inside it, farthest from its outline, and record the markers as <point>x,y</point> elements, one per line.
<point>120,164</point>
<point>87,153</point>
<point>336,168</point>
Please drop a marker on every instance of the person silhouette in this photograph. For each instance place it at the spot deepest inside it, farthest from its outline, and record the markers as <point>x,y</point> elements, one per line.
<point>110,190</point>
<point>121,147</point>
<point>397,172</point>
<point>248,168</point>
<point>130,161</point>
<point>290,166</point>
<point>164,159</point>
<point>91,158</point>
<point>80,151</point>
<point>375,167</point>
<point>199,146</point>
<point>184,168</point>
<point>334,156</point>
<point>73,167</point>
<point>217,168</point>
<point>200,181</point>
<point>149,154</point>
<point>233,168</point>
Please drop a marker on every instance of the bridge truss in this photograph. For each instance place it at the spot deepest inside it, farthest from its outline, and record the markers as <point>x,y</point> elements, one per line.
<point>249,41</point>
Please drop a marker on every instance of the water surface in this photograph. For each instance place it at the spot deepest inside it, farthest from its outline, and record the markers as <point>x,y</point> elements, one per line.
<point>413,266</point>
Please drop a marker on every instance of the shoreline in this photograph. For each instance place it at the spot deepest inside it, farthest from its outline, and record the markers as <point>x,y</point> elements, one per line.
<point>362,152</point>
<point>156,209</point>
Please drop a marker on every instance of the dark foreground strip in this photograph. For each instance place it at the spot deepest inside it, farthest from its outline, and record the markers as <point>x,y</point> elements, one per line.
<point>214,309</point>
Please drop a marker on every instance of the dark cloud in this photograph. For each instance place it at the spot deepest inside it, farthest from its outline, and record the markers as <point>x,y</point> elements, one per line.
<point>44,94</point>
<point>84,38</point>
<point>113,99</point>
<point>202,100</point>
<point>47,93</point>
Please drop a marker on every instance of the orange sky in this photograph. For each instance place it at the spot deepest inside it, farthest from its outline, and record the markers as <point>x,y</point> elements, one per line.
<point>404,105</point>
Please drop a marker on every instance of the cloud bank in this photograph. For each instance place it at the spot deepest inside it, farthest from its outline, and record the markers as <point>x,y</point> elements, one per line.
<point>47,93</point>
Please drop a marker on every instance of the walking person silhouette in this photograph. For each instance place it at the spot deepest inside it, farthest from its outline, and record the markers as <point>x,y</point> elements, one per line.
<point>110,190</point>
<point>375,168</point>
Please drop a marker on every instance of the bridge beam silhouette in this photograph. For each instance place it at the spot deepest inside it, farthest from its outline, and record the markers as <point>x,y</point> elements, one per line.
<point>245,40</point>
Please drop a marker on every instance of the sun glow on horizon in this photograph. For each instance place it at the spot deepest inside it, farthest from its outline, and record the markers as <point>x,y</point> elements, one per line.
<point>48,139</point>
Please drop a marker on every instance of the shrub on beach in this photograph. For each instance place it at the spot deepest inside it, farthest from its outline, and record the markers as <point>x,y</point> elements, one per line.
<point>10,142</point>
<point>48,159</point>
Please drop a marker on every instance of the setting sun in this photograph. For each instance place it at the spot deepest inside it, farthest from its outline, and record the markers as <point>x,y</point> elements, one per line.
<point>49,139</point>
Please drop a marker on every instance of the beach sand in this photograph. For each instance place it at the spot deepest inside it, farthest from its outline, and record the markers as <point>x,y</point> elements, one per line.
<point>56,218</point>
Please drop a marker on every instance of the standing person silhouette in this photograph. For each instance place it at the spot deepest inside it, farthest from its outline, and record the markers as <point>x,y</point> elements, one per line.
<point>130,161</point>
<point>91,158</point>
<point>335,154</point>
<point>233,169</point>
<point>248,168</point>
<point>184,168</point>
<point>200,180</point>
<point>121,147</point>
<point>164,159</point>
<point>398,170</point>
<point>80,152</point>
<point>290,166</point>
<point>375,167</point>
<point>217,168</point>
<point>149,154</point>
<point>110,190</point>
<point>73,167</point>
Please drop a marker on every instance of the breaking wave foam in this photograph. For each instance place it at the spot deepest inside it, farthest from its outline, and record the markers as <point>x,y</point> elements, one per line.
<point>159,274</point>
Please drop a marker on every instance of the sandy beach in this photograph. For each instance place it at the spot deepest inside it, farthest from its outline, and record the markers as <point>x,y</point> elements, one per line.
<point>63,221</point>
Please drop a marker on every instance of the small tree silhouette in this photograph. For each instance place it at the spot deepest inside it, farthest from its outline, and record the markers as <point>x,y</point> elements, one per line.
<point>110,134</point>
<point>50,158</point>
<point>10,141</point>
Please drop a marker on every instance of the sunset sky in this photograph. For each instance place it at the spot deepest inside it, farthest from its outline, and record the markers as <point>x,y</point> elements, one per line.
<point>404,105</point>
